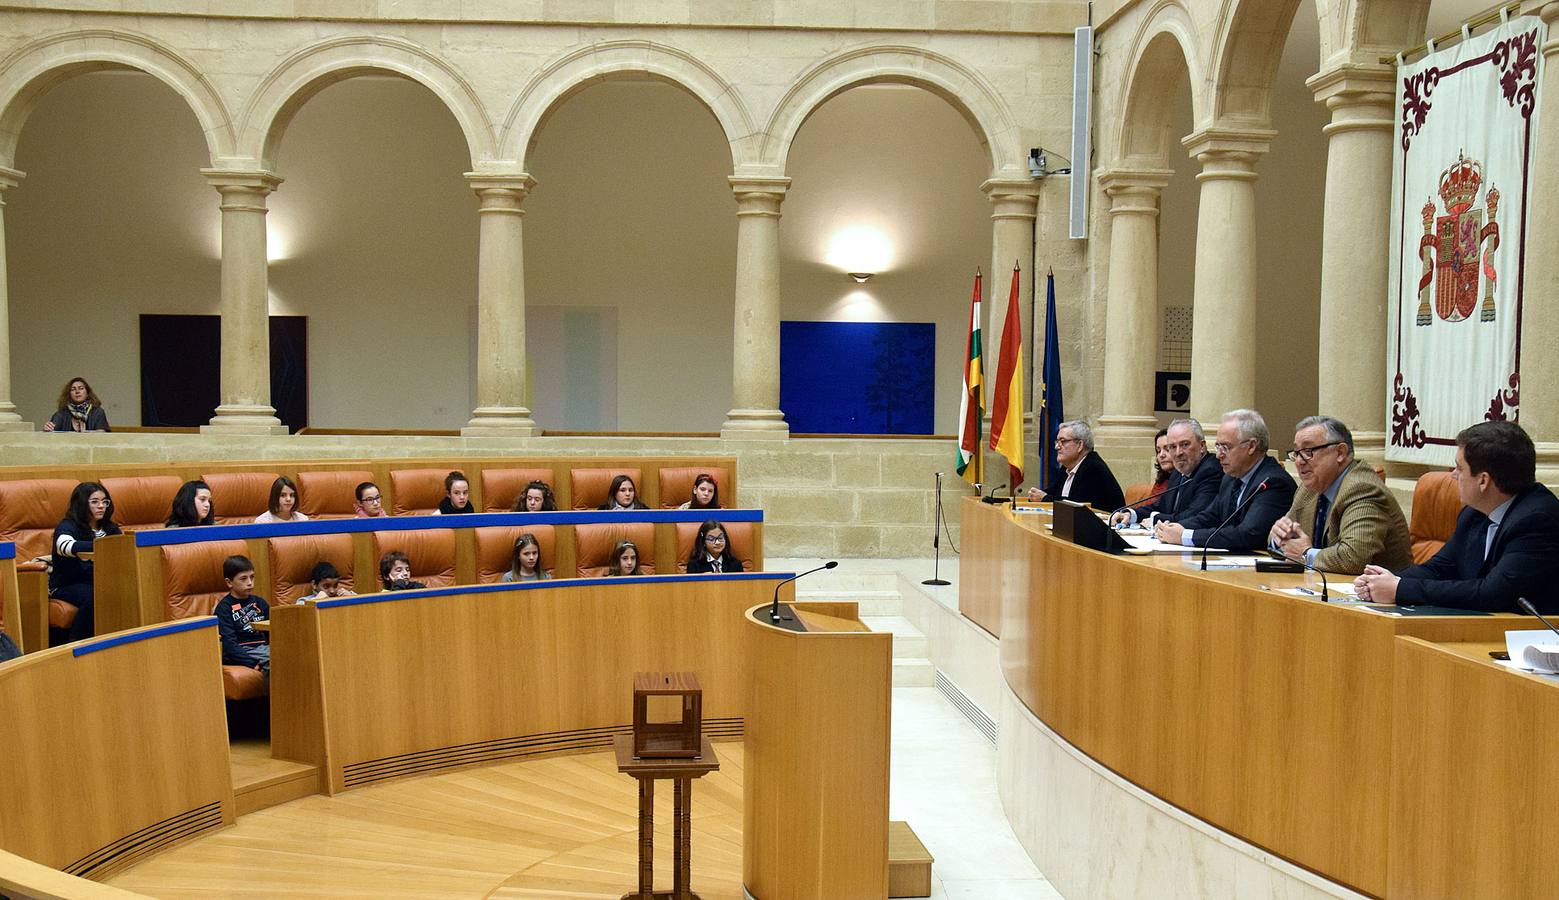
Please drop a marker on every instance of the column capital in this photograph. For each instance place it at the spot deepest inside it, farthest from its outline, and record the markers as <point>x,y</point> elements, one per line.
<point>516,183</point>
<point>1353,83</point>
<point>1128,189</point>
<point>10,178</point>
<point>1228,152</point>
<point>1012,198</point>
<point>257,181</point>
<point>758,196</point>
<point>1549,14</point>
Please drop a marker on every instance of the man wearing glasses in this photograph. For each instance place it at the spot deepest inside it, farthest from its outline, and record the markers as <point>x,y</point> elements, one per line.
<point>1242,453</point>
<point>1194,485</point>
<point>1506,538</point>
<point>1088,477</point>
<point>1343,518</point>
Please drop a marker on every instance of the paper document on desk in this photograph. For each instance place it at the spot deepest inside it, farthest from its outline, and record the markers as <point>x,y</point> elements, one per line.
<point>1520,646</point>
<point>1513,664</point>
<point>1342,589</point>
<point>1225,562</point>
<point>1153,545</point>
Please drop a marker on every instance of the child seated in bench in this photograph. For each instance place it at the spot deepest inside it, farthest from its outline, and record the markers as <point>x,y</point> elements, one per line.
<point>236,614</point>
<point>326,581</point>
<point>395,572</point>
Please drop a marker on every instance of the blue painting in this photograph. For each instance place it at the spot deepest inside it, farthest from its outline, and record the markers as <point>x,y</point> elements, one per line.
<point>858,377</point>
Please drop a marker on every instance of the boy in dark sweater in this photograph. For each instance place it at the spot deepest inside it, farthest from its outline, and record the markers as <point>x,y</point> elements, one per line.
<point>236,614</point>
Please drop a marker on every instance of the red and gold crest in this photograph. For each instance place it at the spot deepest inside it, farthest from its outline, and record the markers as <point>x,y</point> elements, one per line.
<point>1453,243</point>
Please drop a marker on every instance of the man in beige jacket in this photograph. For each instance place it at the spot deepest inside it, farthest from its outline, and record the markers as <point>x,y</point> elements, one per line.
<point>1343,517</point>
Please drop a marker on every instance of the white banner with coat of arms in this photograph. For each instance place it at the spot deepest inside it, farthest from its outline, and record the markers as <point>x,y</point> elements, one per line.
<point>1467,120</point>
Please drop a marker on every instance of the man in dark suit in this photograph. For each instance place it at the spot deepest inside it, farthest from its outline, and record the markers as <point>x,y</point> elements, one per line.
<point>1194,485</point>
<point>1506,543</point>
<point>1088,477</point>
<point>1241,449</point>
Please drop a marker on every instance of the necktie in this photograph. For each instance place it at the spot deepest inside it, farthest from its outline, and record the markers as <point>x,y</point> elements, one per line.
<point>1488,538</point>
<point>717,566</point>
<point>1323,507</point>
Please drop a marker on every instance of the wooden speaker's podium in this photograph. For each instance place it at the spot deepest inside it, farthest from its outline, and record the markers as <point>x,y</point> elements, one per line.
<point>816,760</point>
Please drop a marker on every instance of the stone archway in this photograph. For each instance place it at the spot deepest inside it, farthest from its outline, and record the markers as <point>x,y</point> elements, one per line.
<point>1164,52</point>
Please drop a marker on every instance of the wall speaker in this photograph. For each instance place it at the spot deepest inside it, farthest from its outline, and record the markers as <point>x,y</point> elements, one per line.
<point>1082,128</point>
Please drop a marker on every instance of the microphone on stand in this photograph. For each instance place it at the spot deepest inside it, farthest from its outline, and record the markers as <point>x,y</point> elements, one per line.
<point>775,615</point>
<point>936,540</point>
<point>1294,564</point>
<point>1237,510</point>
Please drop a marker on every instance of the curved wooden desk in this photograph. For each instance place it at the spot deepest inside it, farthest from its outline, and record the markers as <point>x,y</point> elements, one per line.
<point>1267,715</point>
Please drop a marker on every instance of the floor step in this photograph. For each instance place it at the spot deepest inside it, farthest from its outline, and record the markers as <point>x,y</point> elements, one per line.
<point>909,863</point>
<point>913,673</point>
<point>908,642</point>
<point>870,603</point>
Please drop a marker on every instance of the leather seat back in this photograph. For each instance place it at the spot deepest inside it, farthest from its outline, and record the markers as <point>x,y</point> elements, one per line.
<point>676,485</point>
<point>1436,504</point>
<point>431,550</point>
<point>416,492</point>
<point>495,548</point>
<point>330,494</point>
<point>29,512</point>
<point>500,487</point>
<point>1136,493</point>
<point>595,544</point>
<point>192,576</point>
<point>239,497</point>
<point>293,560</point>
<point>741,545</point>
<point>588,487</point>
<point>145,501</point>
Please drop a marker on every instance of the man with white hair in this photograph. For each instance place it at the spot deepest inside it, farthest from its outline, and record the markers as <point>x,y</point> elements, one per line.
<point>1249,473</point>
<point>1194,485</point>
<point>1343,518</point>
<point>1088,477</point>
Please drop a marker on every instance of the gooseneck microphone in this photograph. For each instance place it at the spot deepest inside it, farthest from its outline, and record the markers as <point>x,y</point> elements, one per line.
<point>1146,500</point>
<point>1300,560</point>
<point>1237,510</point>
<point>774,609</point>
<point>1531,610</point>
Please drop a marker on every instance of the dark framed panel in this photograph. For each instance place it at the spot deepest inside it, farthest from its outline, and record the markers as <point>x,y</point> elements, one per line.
<point>858,377</point>
<point>181,370</point>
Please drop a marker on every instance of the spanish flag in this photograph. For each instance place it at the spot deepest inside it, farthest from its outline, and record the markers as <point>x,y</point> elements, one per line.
<point>1007,397</point>
<point>971,406</point>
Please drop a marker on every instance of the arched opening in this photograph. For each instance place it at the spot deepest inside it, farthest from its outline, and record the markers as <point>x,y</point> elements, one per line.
<point>886,181</point>
<point>373,237</point>
<point>630,261</point>
<point>112,221</point>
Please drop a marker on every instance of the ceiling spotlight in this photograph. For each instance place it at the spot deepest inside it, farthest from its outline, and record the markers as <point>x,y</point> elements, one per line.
<point>861,277</point>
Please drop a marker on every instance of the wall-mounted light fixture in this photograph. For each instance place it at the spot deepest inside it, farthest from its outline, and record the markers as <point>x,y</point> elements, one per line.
<point>861,251</point>
<point>860,277</point>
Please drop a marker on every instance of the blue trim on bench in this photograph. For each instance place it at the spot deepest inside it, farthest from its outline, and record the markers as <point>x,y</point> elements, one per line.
<point>390,596</point>
<point>7,550</point>
<point>162,537</point>
<point>130,637</point>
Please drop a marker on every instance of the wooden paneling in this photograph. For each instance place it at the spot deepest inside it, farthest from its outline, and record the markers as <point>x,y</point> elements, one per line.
<point>818,710</point>
<point>1473,778</point>
<point>1267,715</point>
<point>92,756</point>
<point>979,566</point>
<point>465,676</point>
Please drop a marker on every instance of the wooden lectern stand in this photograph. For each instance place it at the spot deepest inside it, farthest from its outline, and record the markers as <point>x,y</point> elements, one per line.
<point>816,763</point>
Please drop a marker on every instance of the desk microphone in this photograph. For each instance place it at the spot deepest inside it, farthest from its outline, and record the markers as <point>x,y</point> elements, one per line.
<point>1303,564</point>
<point>774,610</point>
<point>1531,610</point>
<point>1146,500</point>
<point>1237,510</point>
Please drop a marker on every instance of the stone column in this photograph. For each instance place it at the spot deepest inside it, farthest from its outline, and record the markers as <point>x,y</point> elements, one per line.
<point>9,419</point>
<point>1223,336</point>
<point>246,330</point>
<point>1354,250</point>
<point>1014,207</point>
<point>755,384</point>
<point>1127,423</point>
<point>500,292</point>
<point>1540,310</point>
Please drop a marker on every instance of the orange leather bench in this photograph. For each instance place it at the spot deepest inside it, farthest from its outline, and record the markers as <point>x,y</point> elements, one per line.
<point>588,487</point>
<point>676,483</point>
<point>432,554</point>
<point>740,535</point>
<point>192,576</point>
<point>331,493</point>
<point>292,561</point>
<point>239,497</point>
<point>495,548</point>
<point>594,545</point>
<point>143,501</point>
<point>418,492</point>
<point>1436,504</point>
<point>500,487</point>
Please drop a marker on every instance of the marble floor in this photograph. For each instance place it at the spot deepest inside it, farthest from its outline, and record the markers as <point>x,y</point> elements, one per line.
<point>944,785</point>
